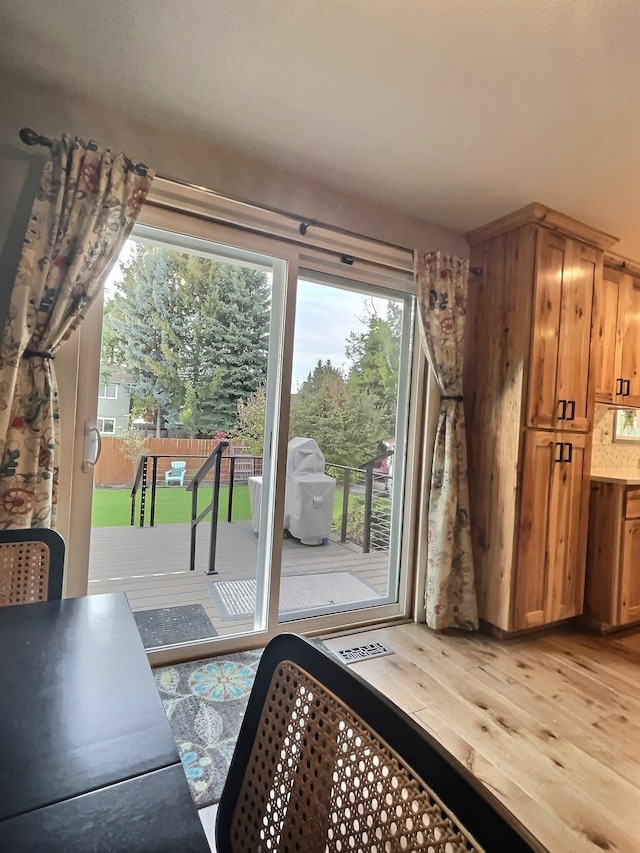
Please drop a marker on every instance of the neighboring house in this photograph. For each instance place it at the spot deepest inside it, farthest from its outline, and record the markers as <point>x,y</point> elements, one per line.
<point>114,401</point>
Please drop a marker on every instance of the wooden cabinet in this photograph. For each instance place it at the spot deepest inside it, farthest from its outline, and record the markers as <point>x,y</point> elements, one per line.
<point>553,528</point>
<point>566,270</point>
<point>529,408</point>
<point>615,353</point>
<point>612,588</point>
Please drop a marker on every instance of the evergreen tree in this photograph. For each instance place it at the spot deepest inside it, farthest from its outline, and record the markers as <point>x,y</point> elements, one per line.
<point>142,318</point>
<point>375,355</point>
<point>193,333</point>
<point>237,363</point>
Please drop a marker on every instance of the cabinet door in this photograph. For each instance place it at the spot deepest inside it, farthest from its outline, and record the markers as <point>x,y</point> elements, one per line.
<point>552,530</point>
<point>629,340</point>
<point>630,575</point>
<point>605,354</point>
<point>559,378</point>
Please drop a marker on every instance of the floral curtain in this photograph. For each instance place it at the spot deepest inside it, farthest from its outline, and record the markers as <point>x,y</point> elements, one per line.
<point>441,283</point>
<point>85,207</point>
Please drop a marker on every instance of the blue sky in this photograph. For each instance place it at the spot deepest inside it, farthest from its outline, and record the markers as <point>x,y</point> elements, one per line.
<point>324,318</point>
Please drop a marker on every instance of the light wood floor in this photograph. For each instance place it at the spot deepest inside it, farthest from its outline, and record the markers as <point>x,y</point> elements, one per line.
<point>550,724</point>
<point>151,565</point>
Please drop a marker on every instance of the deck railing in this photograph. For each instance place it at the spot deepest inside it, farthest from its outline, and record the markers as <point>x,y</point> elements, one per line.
<point>213,462</point>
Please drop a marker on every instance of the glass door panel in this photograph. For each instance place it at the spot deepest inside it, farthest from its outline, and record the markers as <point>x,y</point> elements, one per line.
<point>191,372</point>
<point>347,440</point>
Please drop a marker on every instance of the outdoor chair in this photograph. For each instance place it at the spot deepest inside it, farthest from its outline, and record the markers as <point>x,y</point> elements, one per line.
<point>175,474</point>
<point>324,762</point>
<point>31,566</point>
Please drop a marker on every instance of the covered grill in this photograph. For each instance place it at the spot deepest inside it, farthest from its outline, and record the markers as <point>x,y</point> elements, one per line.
<point>309,493</point>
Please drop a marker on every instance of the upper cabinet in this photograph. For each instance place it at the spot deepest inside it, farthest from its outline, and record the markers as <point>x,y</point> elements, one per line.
<point>615,352</point>
<point>566,271</point>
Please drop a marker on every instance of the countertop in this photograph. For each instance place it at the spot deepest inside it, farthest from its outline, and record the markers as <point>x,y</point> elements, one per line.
<point>624,476</point>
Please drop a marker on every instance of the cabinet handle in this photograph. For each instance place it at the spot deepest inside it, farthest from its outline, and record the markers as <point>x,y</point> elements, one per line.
<point>563,415</point>
<point>618,387</point>
<point>572,409</point>
<point>559,451</point>
<point>626,387</point>
<point>569,447</point>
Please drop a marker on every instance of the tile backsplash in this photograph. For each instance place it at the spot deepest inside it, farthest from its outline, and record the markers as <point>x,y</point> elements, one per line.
<point>606,453</point>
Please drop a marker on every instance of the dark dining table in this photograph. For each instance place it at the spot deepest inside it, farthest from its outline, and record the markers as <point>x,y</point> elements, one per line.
<point>87,758</point>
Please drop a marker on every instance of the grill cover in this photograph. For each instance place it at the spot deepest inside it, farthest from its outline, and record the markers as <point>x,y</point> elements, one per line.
<point>309,493</point>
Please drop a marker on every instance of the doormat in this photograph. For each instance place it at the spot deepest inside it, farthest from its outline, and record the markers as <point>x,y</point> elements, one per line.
<point>205,701</point>
<point>167,626</point>
<point>301,595</point>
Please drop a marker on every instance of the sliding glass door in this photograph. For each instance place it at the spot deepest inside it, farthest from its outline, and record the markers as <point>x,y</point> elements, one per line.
<point>256,482</point>
<point>190,388</point>
<point>347,432</point>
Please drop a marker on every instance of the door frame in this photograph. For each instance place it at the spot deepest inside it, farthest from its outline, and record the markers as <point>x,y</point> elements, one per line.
<point>79,379</point>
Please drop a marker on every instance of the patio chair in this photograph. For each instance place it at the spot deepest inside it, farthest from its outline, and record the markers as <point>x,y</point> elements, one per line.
<point>31,566</point>
<point>175,474</point>
<point>324,762</point>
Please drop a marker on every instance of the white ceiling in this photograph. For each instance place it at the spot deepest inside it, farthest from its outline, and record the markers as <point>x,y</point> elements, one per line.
<point>457,111</point>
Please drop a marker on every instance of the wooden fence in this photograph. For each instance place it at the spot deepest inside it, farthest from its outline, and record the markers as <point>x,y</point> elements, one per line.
<point>113,469</point>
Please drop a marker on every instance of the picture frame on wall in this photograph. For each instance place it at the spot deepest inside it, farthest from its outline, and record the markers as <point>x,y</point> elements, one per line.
<point>626,425</point>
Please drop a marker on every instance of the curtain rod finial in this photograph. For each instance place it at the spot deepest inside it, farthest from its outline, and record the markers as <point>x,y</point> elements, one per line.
<point>30,137</point>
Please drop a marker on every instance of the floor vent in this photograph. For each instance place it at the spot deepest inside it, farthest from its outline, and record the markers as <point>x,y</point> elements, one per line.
<point>358,653</point>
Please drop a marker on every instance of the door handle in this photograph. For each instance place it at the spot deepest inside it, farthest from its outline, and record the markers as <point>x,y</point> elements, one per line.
<point>87,462</point>
<point>559,451</point>
<point>619,387</point>
<point>626,387</point>
<point>569,447</point>
<point>563,415</point>
<point>572,410</point>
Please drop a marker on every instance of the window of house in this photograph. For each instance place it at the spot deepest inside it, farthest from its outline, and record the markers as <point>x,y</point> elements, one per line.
<point>109,390</point>
<point>107,426</point>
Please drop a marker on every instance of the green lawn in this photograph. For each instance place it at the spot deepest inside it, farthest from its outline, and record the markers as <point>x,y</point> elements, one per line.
<point>112,507</point>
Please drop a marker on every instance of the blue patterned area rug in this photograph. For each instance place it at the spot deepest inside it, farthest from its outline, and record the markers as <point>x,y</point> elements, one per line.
<point>205,701</point>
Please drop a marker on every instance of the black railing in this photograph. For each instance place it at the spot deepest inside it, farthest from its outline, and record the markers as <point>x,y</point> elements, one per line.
<point>370,476</point>
<point>213,462</point>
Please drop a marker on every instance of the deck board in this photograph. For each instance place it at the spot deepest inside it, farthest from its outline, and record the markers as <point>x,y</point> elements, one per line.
<point>151,565</point>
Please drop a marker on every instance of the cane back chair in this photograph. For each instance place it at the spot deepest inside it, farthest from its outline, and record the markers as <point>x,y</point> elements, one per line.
<point>324,763</point>
<point>31,566</point>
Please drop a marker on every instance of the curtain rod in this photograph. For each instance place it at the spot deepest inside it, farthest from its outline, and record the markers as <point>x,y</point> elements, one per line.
<point>30,137</point>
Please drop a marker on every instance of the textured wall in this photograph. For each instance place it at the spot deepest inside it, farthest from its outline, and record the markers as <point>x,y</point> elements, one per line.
<point>174,153</point>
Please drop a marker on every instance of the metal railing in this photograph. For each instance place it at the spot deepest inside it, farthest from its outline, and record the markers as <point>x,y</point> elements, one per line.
<point>370,476</point>
<point>214,461</point>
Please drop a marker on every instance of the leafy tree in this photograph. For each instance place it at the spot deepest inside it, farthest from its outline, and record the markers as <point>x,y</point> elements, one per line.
<point>347,424</point>
<point>251,421</point>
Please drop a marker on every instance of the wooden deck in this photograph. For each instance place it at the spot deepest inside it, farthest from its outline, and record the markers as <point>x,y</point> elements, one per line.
<point>151,565</point>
